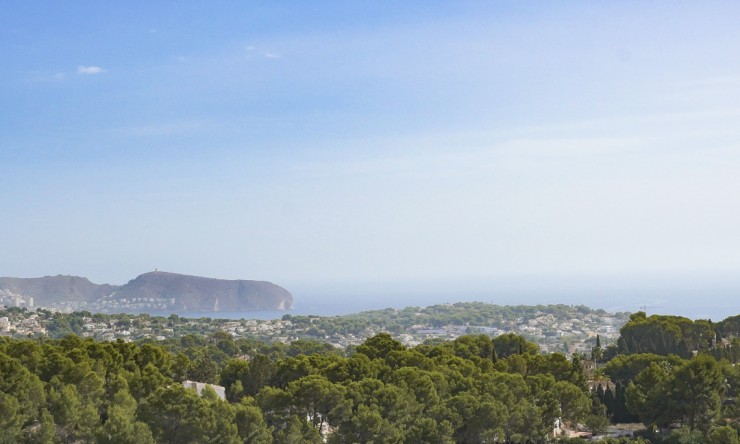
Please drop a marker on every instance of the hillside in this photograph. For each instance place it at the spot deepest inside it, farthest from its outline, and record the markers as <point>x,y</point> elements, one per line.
<point>54,289</point>
<point>193,293</point>
<point>149,291</point>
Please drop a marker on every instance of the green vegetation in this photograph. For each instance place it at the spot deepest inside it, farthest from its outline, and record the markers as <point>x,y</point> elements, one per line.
<point>553,327</point>
<point>473,389</point>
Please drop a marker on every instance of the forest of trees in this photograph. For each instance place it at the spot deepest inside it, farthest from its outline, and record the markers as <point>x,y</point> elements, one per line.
<point>674,375</point>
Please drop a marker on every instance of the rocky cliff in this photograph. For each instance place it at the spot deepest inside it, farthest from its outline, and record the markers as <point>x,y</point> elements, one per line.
<point>193,293</point>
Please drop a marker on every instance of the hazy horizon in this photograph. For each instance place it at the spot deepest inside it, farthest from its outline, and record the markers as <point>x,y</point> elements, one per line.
<point>332,146</point>
<point>696,296</point>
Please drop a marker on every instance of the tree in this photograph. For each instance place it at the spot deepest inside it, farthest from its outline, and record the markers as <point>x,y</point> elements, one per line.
<point>175,415</point>
<point>479,346</point>
<point>665,335</point>
<point>250,423</point>
<point>690,393</point>
<point>597,353</point>
<point>697,390</point>
<point>647,396</point>
<point>487,423</point>
<point>618,405</point>
<point>234,371</point>
<point>624,368</point>
<point>298,431</point>
<point>276,405</point>
<point>420,383</point>
<point>527,423</point>
<point>309,347</point>
<point>181,365</point>
<point>509,344</point>
<point>203,369</point>
<point>597,424</point>
<point>59,327</point>
<point>146,381</point>
<point>155,355</point>
<point>428,431</point>
<point>574,403</point>
<point>23,391</point>
<point>724,435</point>
<point>221,427</point>
<point>28,353</point>
<point>122,426</point>
<point>44,433</point>
<point>379,346</point>
<point>318,399</point>
<point>80,420</point>
<point>398,405</point>
<point>91,389</point>
<point>10,420</point>
<point>261,371</point>
<point>290,369</point>
<point>367,425</point>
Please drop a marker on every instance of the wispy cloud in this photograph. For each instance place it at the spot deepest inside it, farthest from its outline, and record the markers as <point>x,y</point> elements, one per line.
<point>42,76</point>
<point>693,142</point>
<point>88,70</point>
<point>250,50</point>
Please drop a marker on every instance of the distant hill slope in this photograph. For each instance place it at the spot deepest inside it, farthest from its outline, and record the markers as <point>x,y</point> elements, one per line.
<point>193,293</point>
<point>181,292</point>
<point>51,289</point>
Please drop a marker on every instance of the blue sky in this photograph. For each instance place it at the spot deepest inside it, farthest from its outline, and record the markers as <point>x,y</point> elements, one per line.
<point>327,144</point>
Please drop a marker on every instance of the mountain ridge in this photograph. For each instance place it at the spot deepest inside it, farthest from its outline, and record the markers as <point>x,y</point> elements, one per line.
<point>163,290</point>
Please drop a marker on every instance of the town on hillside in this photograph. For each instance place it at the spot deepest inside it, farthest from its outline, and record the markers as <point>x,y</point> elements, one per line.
<point>556,328</point>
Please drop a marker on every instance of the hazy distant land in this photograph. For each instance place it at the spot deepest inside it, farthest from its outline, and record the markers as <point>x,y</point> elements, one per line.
<point>154,291</point>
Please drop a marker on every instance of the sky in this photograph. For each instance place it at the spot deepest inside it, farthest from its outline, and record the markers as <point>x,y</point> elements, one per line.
<point>336,145</point>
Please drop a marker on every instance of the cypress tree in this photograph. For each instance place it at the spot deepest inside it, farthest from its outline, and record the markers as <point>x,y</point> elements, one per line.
<point>609,403</point>
<point>622,414</point>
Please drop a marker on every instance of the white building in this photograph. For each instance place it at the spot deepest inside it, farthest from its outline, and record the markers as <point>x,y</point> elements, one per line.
<point>199,386</point>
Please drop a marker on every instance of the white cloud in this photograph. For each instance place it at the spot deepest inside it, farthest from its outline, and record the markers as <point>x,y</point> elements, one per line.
<point>250,50</point>
<point>89,69</point>
<point>45,76</point>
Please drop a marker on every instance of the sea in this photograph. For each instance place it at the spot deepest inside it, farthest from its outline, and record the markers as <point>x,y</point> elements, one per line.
<point>708,296</point>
